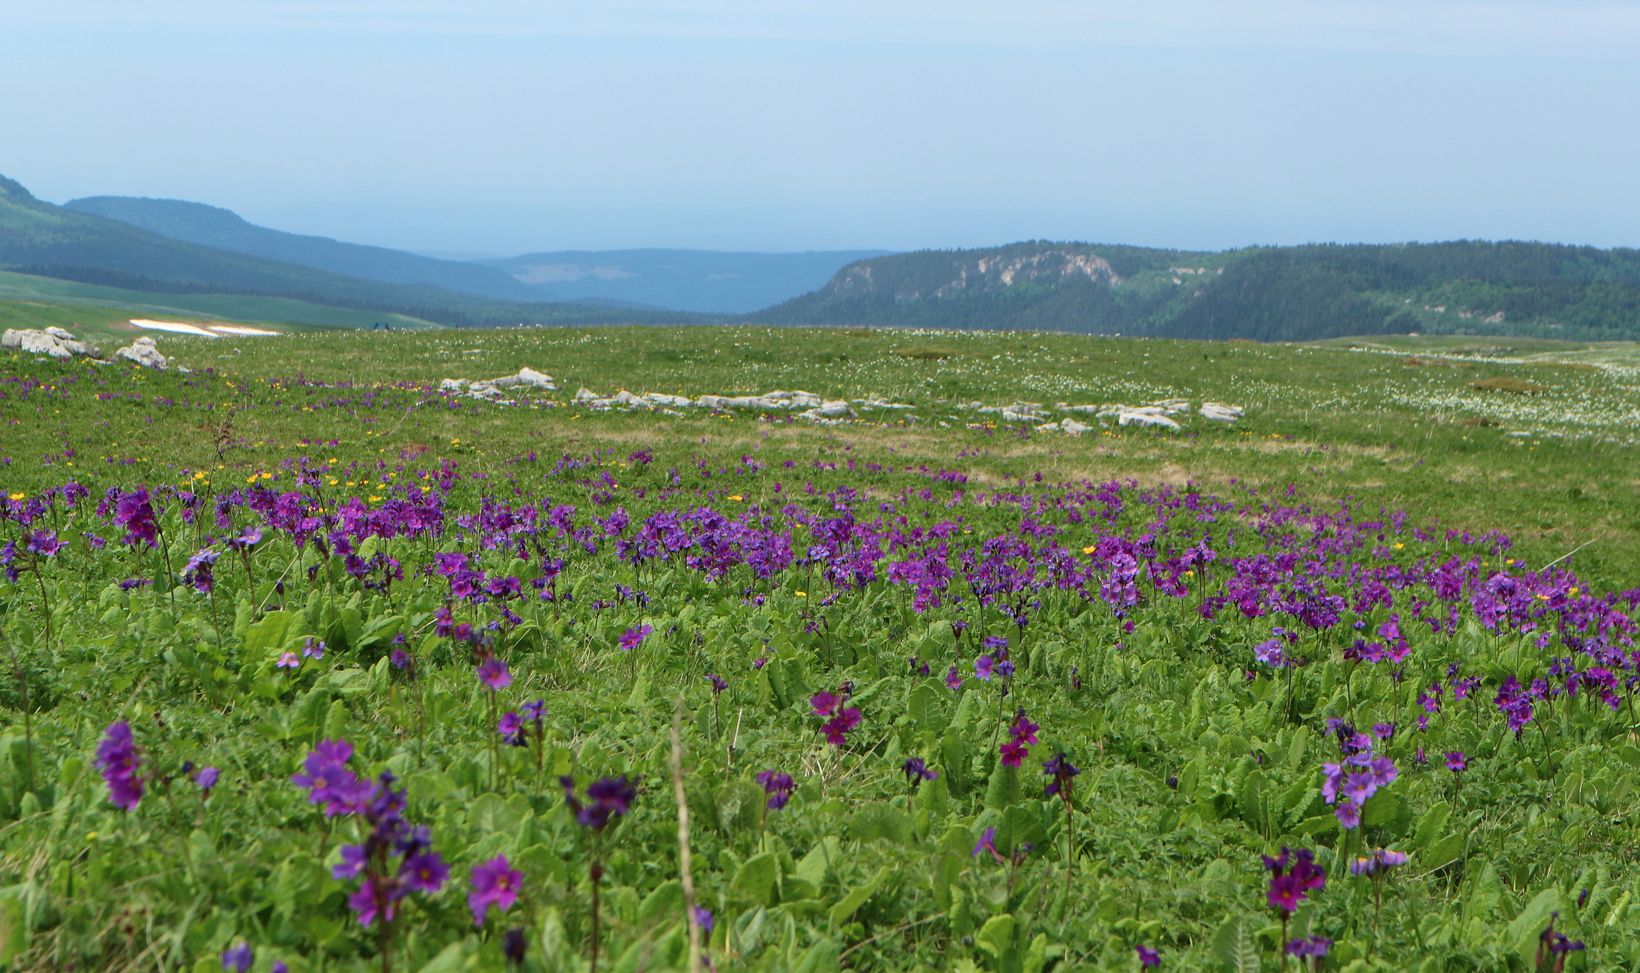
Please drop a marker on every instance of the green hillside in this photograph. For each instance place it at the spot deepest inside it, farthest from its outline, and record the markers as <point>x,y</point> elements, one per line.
<point>28,301</point>
<point>40,239</point>
<point>1264,293</point>
<point>222,229</point>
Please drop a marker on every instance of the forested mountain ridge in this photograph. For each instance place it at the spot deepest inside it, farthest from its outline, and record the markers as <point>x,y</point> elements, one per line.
<point>1265,293</point>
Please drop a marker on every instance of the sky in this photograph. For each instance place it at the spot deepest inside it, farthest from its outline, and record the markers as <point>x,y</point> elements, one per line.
<point>503,126</point>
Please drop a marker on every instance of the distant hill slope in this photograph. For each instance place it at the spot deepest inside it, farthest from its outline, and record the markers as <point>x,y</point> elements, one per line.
<point>683,280</point>
<point>223,229</point>
<point>40,239</point>
<point>1264,293</point>
<point>687,280</point>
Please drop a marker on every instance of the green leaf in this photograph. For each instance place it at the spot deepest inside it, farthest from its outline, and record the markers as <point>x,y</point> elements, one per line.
<point>266,638</point>
<point>452,959</point>
<point>666,899</point>
<point>1523,933</point>
<point>851,902</point>
<point>1235,948</point>
<point>996,937</point>
<point>927,708</point>
<point>1431,825</point>
<point>754,881</point>
<point>881,822</point>
<point>13,928</point>
<point>816,865</point>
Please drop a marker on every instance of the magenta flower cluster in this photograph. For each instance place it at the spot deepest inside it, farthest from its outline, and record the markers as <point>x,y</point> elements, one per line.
<point>841,718</point>
<point>395,858</point>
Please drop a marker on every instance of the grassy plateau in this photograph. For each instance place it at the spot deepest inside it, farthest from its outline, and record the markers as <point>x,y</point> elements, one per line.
<point>311,665</point>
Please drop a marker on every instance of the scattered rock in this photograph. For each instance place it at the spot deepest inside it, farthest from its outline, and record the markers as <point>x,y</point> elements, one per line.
<point>1019,411</point>
<point>828,412</point>
<point>53,342</point>
<point>144,352</point>
<point>489,389</point>
<point>1069,427</point>
<point>1219,412</point>
<point>1146,416</point>
<point>880,404</point>
<point>525,376</point>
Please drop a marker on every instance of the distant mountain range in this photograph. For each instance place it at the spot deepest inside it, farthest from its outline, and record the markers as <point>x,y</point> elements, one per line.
<point>40,239</point>
<point>176,249</point>
<point>699,281</point>
<point>1264,293</point>
<point>705,281</point>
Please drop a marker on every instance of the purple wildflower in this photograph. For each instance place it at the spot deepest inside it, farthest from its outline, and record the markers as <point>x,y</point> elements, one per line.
<point>633,637</point>
<point>134,513</point>
<point>493,673</point>
<point>511,728</point>
<point>373,900</point>
<point>424,872</point>
<point>238,957</point>
<point>495,886</point>
<point>1061,770</point>
<point>777,786</point>
<point>606,798</point>
<point>197,571</point>
<point>916,771</point>
<point>118,758</point>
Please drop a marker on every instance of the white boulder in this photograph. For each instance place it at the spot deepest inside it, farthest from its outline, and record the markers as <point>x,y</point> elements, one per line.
<point>53,342</point>
<point>143,352</point>
<point>1219,412</point>
<point>1146,416</point>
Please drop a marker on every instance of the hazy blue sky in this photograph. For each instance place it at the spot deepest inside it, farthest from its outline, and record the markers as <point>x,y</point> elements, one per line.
<point>507,125</point>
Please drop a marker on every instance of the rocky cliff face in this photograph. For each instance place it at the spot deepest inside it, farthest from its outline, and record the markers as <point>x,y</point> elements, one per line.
<point>987,274</point>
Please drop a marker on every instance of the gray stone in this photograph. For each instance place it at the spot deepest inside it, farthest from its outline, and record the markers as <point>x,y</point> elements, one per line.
<point>525,376</point>
<point>1218,412</point>
<point>1146,417</point>
<point>53,342</point>
<point>143,352</point>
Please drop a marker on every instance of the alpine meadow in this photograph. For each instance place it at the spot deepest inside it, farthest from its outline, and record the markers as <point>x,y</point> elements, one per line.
<point>729,487</point>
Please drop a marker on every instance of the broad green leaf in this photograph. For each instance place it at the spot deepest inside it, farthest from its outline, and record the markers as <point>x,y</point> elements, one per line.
<point>1235,948</point>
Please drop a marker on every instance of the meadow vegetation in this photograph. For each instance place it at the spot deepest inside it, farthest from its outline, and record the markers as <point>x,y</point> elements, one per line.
<point>313,666</point>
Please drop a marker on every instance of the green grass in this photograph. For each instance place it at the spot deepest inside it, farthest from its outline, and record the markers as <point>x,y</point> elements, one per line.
<point>1555,470</point>
<point>27,301</point>
<point>1195,758</point>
